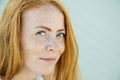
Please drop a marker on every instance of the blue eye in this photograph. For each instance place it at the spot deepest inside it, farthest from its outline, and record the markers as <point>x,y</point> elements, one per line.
<point>40,33</point>
<point>61,35</point>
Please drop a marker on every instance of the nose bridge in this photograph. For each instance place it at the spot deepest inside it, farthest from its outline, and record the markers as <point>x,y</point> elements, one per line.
<point>52,43</point>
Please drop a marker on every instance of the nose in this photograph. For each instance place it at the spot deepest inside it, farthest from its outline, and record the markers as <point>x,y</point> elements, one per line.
<point>52,45</point>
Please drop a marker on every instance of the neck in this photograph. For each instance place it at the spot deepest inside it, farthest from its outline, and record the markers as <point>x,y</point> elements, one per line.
<point>26,74</point>
<point>50,77</point>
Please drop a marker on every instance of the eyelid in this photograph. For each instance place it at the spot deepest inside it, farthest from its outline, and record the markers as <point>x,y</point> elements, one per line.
<point>61,33</point>
<point>40,32</point>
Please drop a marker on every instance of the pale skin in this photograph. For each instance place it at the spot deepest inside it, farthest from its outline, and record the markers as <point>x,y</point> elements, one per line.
<point>42,41</point>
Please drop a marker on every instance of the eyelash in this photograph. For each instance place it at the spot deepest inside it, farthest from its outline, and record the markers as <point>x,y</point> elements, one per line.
<point>42,33</point>
<point>59,35</point>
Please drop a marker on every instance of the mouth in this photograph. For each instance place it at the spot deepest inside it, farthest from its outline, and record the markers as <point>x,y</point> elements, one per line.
<point>48,60</point>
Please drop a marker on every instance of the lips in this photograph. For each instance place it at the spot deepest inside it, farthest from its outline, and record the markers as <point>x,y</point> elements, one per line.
<point>48,59</point>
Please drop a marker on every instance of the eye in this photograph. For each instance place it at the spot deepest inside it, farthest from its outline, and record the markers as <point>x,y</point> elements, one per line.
<point>61,35</point>
<point>42,33</point>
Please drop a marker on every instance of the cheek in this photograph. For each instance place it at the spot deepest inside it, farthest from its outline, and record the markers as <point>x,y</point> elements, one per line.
<point>30,43</point>
<point>61,51</point>
<point>61,48</point>
<point>29,48</point>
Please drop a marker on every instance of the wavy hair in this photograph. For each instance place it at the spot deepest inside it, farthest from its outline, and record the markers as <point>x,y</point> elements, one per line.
<point>11,58</point>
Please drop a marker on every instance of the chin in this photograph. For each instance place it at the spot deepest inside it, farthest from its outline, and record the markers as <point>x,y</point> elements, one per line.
<point>48,71</point>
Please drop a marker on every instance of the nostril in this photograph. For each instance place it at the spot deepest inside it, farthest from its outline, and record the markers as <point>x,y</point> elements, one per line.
<point>49,47</point>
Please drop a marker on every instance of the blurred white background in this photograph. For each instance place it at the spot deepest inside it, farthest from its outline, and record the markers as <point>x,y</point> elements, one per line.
<point>96,24</point>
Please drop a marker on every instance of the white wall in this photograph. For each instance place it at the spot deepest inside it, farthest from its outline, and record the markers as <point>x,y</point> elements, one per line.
<point>2,4</point>
<point>97,27</point>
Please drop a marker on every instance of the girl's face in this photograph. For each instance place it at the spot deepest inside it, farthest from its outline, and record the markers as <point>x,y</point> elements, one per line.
<point>42,38</point>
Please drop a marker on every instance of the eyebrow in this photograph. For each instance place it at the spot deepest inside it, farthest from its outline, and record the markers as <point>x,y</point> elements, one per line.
<point>49,28</point>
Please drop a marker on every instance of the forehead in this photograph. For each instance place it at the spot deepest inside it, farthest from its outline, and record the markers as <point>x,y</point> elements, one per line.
<point>46,15</point>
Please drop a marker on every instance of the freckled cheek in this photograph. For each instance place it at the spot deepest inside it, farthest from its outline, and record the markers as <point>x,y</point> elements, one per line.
<point>31,46</point>
<point>61,48</point>
<point>42,42</point>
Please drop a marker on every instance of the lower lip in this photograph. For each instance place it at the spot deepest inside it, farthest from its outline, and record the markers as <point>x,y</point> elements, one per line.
<point>48,60</point>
